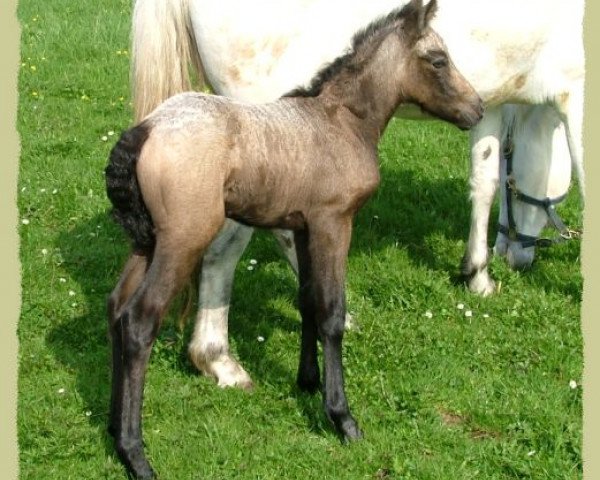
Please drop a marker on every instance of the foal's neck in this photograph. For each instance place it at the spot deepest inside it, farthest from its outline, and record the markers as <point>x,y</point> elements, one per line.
<point>372,93</point>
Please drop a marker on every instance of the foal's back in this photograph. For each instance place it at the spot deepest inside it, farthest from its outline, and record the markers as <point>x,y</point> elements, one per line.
<point>271,165</point>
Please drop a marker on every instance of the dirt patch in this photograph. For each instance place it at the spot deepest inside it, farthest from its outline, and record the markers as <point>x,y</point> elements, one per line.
<point>454,419</point>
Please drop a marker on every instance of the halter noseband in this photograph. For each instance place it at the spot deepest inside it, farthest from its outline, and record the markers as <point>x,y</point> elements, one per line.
<point>564,233</point>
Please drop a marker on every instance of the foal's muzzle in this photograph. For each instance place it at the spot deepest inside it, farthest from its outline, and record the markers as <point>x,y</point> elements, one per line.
<point>472,117</point>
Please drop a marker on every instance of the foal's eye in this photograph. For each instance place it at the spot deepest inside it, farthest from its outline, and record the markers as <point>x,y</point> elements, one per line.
<point>440,62</point>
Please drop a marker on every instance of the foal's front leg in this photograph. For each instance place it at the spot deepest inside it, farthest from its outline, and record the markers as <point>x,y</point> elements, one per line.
<point>308,369</point>
<point>286,240</point>
<point>323,254</point>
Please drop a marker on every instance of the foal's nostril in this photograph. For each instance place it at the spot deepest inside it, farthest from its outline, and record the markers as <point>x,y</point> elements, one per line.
<point>474,116</point>
<point>479,109</point>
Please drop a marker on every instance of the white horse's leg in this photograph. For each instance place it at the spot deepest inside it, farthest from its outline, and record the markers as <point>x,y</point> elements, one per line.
<point>285,238</point>
<point>209,346</point>
<point>485,154</point>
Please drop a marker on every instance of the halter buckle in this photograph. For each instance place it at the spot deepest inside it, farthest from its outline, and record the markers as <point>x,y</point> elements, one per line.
<point>570,234</point>
<point>511,184</point>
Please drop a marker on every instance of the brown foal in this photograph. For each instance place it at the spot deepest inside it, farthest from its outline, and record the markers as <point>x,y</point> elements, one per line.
<point>306,162</point>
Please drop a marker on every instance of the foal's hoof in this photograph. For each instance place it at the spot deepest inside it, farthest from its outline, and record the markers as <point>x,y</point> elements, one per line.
<point>350,431</point>
<point>141,470</point>
<point>135,461</point>
<point>345,425</point>
<point>308,382</point>
<point>145,475</point>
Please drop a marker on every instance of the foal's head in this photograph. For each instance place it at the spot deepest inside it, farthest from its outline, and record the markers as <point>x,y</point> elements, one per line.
<point>429,77</point>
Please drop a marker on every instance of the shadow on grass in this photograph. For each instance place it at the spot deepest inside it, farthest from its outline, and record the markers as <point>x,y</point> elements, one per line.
<point>558,269</point>
<point>407,210</point>
<point>91,256</point>
<point>94,252</point>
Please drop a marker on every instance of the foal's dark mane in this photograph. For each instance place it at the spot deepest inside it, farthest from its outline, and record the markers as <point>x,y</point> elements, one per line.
<point>350,61</point>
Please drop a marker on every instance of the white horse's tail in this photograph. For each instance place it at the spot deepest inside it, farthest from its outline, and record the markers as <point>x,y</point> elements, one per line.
<point>573,118</point>
<point>163,50</point>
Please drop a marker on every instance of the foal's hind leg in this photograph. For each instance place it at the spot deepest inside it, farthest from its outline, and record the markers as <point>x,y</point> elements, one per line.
<point>209,346</point>
<point>485,156</point>
<point>137,324</point>
<point>132,276</point>
<point>323,254</point>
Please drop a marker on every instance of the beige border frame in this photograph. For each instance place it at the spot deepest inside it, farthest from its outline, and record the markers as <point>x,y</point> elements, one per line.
<point>11,273</point>
<point>591,260</point>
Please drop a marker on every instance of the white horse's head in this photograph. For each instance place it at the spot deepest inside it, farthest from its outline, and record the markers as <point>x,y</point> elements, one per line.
<point>541,169</point>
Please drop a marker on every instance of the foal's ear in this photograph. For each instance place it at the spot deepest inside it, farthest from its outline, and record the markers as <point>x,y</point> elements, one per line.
<point>414,21</point>
<point>430,11</point>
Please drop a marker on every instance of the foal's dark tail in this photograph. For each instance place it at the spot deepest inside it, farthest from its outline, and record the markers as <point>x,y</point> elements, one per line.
<point>123,189</point>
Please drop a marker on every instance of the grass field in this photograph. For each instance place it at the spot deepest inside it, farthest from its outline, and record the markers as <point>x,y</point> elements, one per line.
<point>440,393</point>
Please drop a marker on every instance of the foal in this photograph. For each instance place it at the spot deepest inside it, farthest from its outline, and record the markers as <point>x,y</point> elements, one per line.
<point>306,162</point>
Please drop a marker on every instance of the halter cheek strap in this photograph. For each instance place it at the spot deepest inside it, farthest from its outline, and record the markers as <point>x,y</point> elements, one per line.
<point>512,192</point>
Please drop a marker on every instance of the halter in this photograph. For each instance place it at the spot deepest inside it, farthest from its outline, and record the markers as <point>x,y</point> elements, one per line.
<point>564,233</point>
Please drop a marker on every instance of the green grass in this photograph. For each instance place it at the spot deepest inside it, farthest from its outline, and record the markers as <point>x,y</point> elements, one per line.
<point>446,397</point>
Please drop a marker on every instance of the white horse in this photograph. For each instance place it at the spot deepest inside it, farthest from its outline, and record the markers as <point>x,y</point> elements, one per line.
<point>512,51</point>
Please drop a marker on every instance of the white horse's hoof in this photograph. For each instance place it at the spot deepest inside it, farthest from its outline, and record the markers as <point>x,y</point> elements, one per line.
<point>229,373</point>
<point>224,369</point>
<point>482,284</point>
<point>239,380</point>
